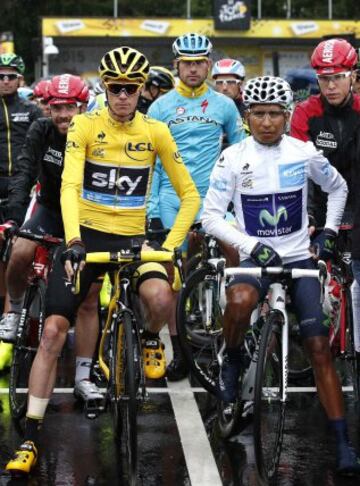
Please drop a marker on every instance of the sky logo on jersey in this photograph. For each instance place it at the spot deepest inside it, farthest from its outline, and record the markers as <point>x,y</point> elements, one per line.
<point>271,215</point>
<point>292,174</point>
<point>120,187</point>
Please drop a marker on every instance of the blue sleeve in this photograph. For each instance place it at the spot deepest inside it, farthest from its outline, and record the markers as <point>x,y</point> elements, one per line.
<point>153,210</point>
<point>233,125</point>
<point>154,111</point>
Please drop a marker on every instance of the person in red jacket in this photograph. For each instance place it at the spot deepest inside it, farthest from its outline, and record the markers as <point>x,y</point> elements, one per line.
<point>331,120</point>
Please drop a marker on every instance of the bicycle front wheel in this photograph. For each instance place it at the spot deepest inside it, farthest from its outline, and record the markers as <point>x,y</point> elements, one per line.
<point>269,409</point>
<point>125,377</point>
<point>26,345</point>
<point>199,325</point>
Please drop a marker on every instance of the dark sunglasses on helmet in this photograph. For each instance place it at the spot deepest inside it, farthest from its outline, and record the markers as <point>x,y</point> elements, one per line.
<point>117,88</point>
<point>10,76</point>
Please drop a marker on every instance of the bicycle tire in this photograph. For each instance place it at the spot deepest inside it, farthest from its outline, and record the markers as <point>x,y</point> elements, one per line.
<point>351,353</point>
<point>200,344</point>
<point>300,368</point>
<point>269,410</point>
<point>26,345</point>
<point>125,373</point>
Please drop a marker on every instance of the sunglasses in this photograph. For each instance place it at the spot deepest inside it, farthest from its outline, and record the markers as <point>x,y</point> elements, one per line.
<point>10,76</point>
<point>335,78</point>
<point>128,89</point>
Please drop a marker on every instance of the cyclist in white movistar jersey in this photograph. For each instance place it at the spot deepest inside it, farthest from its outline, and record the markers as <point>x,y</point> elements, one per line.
<point>266,178</point>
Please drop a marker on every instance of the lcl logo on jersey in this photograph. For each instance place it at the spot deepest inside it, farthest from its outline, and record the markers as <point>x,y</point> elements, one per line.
<point>138,151</point>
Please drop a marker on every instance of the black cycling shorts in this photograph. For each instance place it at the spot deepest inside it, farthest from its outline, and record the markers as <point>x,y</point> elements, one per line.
<point>45,221</point>
<point>59,298</point>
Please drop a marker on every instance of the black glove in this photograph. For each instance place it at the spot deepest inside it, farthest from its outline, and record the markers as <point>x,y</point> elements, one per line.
<point>265,256</point>
<point>156,230</point>
<point>325,244</point>
<point>155,245</point>
<point>11,228</point>
<point>75,253</point>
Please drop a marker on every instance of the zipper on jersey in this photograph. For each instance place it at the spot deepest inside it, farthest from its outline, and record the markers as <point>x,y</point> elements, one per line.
<point>8,135</point>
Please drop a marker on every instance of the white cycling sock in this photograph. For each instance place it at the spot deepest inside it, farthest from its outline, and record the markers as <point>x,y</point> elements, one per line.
<point>16,304</point>
<point>83,368</point>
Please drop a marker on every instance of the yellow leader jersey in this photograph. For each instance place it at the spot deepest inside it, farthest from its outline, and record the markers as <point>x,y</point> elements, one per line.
<point>107,176</point>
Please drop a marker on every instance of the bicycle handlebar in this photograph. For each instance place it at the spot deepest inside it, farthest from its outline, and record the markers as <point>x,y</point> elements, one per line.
<point>321,272</point>
<point>129,256</point>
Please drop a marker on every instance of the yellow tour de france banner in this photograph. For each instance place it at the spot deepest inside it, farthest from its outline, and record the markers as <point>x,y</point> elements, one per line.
<point>169,27</point>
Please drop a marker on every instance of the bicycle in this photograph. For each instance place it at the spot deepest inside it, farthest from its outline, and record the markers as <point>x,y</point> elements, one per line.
<point>271,358</point>
<point>31,318</point>
<point>120,356</point>
<point>341,336</point>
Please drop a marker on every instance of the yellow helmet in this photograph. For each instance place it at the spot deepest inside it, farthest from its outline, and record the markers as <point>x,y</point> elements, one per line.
<point>124,64</point>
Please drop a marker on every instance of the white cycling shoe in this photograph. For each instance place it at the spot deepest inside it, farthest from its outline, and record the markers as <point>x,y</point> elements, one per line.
<point>8,327</point>
<point>91,395</point>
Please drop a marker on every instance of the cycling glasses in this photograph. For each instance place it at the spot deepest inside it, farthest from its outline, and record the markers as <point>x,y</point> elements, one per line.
<point>261,114</point>
<point>335,78</point>
<point>230,82</point>
<point>117,88</point>
<point>9,76</point>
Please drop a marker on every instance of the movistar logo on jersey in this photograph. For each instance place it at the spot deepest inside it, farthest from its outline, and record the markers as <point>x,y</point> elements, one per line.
<point>272,215</point>
<point>265,217</point>
<point>292,174</point>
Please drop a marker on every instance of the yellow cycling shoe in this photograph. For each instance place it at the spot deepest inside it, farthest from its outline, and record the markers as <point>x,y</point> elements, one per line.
<point>154,359</point>
<point>24,459</point>
<point>5,355</point>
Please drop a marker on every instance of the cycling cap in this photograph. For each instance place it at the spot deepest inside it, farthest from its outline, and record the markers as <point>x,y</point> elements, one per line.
<point>160,77</point>
<point>40,88</point>
<point>25,93</point>
<point>124,64</point>
<point>12,60</point>
<point>66,89</point>
<point>267,90</point>
<point>228,66</point>
<point>192,47</point>
<point>333,56</point>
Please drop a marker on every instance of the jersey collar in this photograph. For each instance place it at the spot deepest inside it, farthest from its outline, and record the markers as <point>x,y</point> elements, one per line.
<point>184,90</point>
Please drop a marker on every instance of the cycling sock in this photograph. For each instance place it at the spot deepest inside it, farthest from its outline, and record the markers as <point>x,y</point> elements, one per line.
<point>83,368</point>
<point>234,354</point>
<point>16,305</point>
<point>147,335</point>
<point>32,427</point>
<point>339,427</point>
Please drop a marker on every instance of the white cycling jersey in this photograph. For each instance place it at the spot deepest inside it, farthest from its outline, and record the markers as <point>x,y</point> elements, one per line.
<point>268,187</point>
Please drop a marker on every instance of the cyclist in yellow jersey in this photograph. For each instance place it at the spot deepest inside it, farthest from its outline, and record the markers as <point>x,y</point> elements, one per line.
<point>109,162</point>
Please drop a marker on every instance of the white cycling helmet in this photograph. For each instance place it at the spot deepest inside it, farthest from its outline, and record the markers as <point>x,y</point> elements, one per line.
<point>267,90</point>
<point>192,46</point>
<point>228,66</point>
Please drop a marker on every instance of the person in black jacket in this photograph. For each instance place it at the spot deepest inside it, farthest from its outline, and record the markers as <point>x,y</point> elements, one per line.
<point>16,116</point>
<point>41,160</point>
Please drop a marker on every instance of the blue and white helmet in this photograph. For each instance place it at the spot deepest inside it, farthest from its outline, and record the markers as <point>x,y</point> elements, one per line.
<point>192,46</point>
<point>268,90</point>
<point>228,66</point>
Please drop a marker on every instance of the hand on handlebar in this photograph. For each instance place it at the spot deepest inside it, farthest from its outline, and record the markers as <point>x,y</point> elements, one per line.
<point>74,258</point>
<point>324,245</point>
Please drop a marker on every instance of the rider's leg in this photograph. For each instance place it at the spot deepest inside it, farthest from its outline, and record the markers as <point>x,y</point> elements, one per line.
<point>306,298</point>
<point>158,305</point>
<point>17,274</point>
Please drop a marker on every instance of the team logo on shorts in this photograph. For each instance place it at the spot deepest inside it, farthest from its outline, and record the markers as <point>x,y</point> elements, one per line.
<point>180,110</point>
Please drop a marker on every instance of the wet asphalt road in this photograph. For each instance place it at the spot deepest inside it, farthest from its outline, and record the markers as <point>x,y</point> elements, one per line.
<point>174,448</point>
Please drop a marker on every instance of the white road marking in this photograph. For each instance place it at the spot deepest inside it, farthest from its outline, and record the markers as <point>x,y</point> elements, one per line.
<point>199,458</point>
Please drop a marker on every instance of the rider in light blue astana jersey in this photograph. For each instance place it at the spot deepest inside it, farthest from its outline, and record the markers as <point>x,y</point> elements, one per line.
<point>198,117</point>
